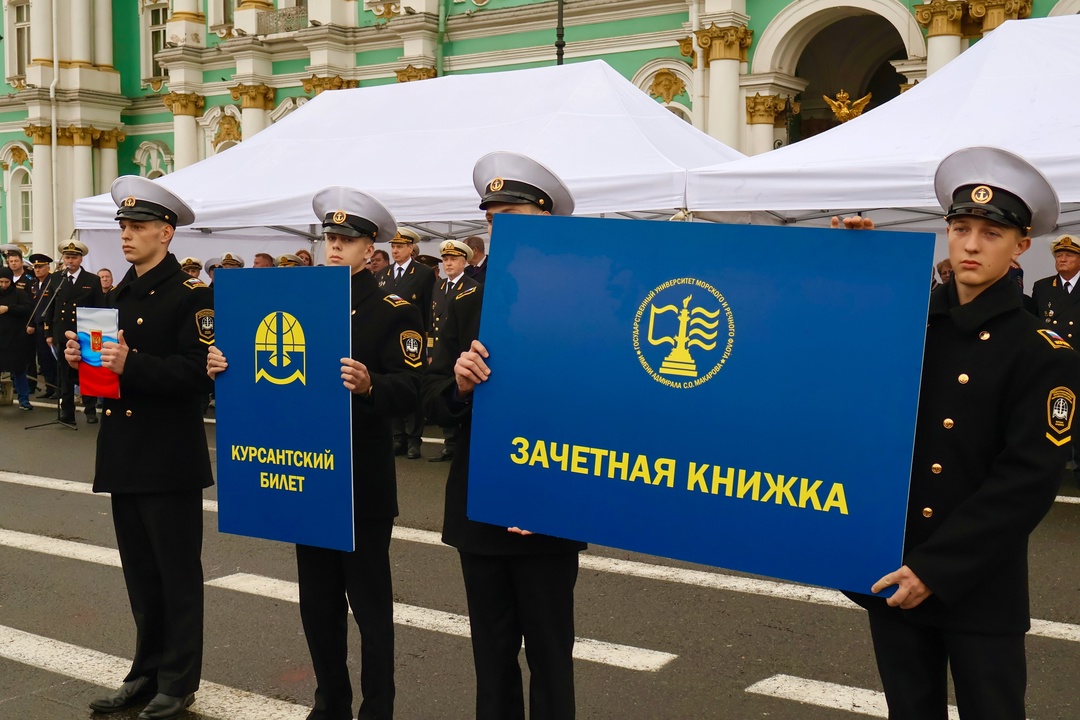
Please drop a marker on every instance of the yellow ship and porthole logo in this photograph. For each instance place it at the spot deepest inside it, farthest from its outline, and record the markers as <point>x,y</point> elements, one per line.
<point>683,332</point>
<point>280,350</point>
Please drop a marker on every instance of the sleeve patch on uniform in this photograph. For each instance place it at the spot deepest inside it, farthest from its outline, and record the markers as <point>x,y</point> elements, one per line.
<point>194,283</point>
<point>396,300</point>
<point>412,347</point>
<point>204,322</point>
<point>1054,339</point>
<point>463,293</point>
<point>1060,406</point>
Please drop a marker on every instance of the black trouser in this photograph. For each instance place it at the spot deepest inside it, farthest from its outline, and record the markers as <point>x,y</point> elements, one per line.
<point>989,671</point>
<point>512,597</point>
<point>408,429</point>
<point>159,536</point>
<point>45,359</point>
<point>330,582</point>
<point>69,377</point>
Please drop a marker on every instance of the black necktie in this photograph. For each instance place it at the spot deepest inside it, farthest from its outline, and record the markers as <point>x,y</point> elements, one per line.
<point>71,279</point>
<point>400,270</point>
<point>449,287</point>
<point>1066,286</point>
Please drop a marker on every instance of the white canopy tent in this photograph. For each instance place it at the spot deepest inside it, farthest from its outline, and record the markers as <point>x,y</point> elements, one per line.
<point>413,145</point>
<point>1016,89</point>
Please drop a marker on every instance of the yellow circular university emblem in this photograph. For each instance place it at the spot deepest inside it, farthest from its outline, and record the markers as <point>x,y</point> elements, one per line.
<point>129,201</point>
<point>982,195</point>
<point>339,217</point>
<point>496,185</point>
<point>683,332</point>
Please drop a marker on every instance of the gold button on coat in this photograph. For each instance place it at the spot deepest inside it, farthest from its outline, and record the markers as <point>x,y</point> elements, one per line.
<point>984,335</point>
<point>935,468</point>
<point>948,423</point>
<point>962,379</point>
<point>139,321</point>
<point>928,512</point>
<point>108,413</point>
<point>128,413</point>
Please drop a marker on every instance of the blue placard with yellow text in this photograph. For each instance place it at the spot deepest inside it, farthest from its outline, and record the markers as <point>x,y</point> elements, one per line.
<point>284,422</point>
<point>738,396</point>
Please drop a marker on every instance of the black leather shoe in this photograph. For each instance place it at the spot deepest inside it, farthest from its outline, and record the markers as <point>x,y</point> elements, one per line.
<point>442,457</point>
<point>91,419</point>
<point>414,453</point>
<point>48,395</point>
<point>133,692</point>
<point>163,707</point>
<point>399,448</point>
<point>67,419</point>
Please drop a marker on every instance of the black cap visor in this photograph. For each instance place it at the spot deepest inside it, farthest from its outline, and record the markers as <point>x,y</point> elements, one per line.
<point>989,212</point>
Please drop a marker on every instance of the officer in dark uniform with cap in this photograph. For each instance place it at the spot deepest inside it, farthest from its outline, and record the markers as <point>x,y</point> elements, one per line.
<point>383,376</point>
<point>1056,302</point>
<point>997,409</point>
<point>152,454</point>
<point>43,289</point>
<point>77,288</point>
<point>455,256</point>
<point>518,584</point>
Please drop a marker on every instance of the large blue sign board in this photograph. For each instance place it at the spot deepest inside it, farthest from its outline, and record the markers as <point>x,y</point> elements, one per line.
<point>284,424</point>
<point>738,396</point>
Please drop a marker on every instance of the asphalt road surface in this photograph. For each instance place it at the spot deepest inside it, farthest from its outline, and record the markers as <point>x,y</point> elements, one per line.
<point>657,638</point>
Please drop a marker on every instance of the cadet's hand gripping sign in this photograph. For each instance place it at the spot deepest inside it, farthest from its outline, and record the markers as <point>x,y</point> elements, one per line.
<point>738,396</point>
<point>284,422</point>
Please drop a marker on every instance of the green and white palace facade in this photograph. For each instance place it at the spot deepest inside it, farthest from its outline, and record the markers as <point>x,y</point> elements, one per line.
<point>99,88</point>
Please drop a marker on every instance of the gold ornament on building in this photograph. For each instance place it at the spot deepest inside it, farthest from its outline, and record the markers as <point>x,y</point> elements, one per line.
<point>18,155</point>
<point>411,73</point>
<point>387,11</point>
<point>725,43</point>
<point>317,84</point>
<point>188,104</point>
<point>993,13</point>
<point>111,138</point>
<point>228,129</point>
<point>844,109</point>
<point>666,85</point>
<point>258,97</point>
<point>39,134</point>
<point>686,49</point>
<point>941,17</point>
<point>764,109</point>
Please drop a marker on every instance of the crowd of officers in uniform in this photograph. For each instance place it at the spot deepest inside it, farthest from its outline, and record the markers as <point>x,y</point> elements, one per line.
<point>996,411</point>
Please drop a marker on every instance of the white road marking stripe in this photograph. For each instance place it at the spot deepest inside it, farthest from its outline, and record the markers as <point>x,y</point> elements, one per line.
<point>60,548</point>
<point>828,695</point>
<point>97,668</point>
<point>698,578</point>
<point>624,656</point>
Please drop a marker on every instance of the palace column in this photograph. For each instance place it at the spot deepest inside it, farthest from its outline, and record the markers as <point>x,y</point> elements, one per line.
<point>82,165</point>
<point>45,240</point>
<point>256,101</point>
<point>103,39</point>
<point>81,27</point>
<point>943,20</point>
<point>187,22</point>
<point>762,112</point>
<point>725,50</point>
<point>992,13</point>
<point>185,108</point>
<point>246,15</point>
<point>110,167</point>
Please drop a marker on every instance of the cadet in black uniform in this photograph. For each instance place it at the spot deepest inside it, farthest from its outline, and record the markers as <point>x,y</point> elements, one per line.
<point>414,282</point>
<point>997,407</point>
<point>455,256</point>
<point>152,454</point>
<point>383,375</point>
<point>76,288</point>
<point>15,308</point>
<point>518,584</point>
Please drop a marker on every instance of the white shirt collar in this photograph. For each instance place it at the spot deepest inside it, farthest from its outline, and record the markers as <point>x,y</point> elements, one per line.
<point>404,266</point>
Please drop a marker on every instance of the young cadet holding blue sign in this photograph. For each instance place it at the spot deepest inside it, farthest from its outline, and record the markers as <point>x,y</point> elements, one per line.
<point>383,376</point>
<point>996,411</point>
<point>518,584</point>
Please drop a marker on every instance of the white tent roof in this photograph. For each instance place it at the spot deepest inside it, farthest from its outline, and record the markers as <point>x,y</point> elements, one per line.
<point>413,145</point>
<point>1015,89</point>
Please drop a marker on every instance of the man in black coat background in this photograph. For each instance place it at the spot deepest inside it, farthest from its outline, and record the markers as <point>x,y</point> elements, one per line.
<point>76,288</point>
